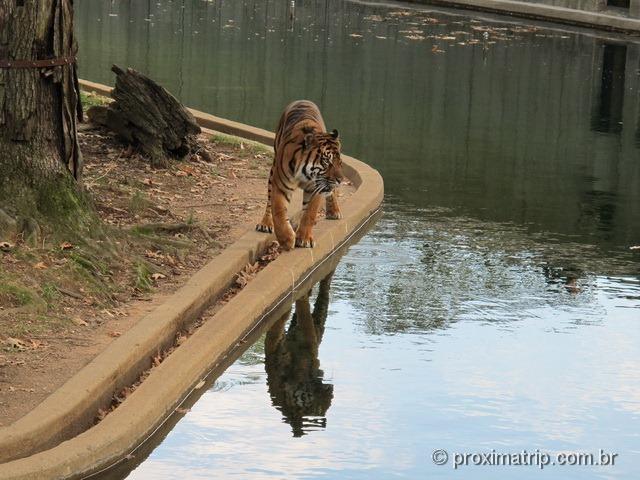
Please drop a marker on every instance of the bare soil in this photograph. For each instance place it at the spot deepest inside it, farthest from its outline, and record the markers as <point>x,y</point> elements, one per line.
<point>61,304</point>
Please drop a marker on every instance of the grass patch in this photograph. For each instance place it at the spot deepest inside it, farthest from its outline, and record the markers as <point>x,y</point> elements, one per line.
<point>50,293</point>
<point>139,202</point>
<point>143,280</point>
<point>40,324</point>
<point>89,99</point>
<point>238,143</point>
<point>13,296</point>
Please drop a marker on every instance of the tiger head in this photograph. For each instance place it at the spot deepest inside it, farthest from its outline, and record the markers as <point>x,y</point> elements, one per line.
<point>324,168</point>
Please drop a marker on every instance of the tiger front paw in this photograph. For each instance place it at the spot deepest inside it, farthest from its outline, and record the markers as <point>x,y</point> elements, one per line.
<point>261,227</point>
<point>304,241</point>
<point>288,243</point>
<point>266,224</point>
<point>334,215</point>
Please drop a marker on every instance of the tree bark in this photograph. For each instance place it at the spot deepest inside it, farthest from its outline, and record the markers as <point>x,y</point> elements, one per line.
<point>40,159</point>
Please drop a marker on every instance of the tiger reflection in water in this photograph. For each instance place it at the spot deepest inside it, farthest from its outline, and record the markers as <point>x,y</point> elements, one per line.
<point>294,376</point>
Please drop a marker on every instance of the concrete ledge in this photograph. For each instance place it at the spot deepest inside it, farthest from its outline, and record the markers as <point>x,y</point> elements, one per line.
<point>47,433</point>
<point>539,11</point>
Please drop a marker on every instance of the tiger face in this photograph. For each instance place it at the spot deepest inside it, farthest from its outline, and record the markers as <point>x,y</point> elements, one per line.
<point>324,168</point>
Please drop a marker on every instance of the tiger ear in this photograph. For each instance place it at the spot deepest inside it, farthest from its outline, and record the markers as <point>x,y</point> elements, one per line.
<point>334,134</point>
<point>308,141</point>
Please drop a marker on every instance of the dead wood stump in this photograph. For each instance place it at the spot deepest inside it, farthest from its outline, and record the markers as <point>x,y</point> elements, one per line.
<point>146,116</point>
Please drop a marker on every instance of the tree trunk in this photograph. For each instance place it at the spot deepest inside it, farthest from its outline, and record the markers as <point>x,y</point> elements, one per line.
<point>40,160</point>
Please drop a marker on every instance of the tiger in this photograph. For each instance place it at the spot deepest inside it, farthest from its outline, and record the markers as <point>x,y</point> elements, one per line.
<point>306,157</point>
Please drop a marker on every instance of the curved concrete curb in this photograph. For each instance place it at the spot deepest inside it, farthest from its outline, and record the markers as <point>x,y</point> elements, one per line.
<point>53,421</point>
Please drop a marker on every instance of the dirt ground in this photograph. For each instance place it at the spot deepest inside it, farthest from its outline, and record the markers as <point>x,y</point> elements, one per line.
<point>62,304</point>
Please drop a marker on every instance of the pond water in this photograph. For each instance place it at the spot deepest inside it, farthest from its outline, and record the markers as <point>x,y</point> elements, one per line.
<point>495,307</point>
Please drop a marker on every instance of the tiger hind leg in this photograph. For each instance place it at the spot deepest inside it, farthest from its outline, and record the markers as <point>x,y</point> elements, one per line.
<point>266,224</point>
<point>332,207</point>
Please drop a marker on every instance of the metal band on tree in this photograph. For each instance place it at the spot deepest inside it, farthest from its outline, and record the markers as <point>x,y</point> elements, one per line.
<point>50,62</point>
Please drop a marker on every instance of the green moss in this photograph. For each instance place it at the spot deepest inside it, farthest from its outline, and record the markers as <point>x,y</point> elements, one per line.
<point>54,206</point>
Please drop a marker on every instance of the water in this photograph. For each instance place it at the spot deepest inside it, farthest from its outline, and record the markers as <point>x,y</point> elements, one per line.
<point>495,305</point>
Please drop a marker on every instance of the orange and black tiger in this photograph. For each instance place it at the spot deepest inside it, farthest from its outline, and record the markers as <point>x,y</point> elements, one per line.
<point>306,157</point>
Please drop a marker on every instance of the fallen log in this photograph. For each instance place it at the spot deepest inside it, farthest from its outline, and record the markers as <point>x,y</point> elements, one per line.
<point>146,116</point>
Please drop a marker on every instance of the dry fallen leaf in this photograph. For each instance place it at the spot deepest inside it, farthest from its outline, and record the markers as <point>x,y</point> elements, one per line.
<point>16,343</point>
<point>79,322</point>
<point>158,276</point>
<point>40,266</point>
<point>157,360</point>
<point>271,253</point>
<point>101,414</point>
<point>66,245</point>
<point>246,274</point>
<point>33,344</point>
